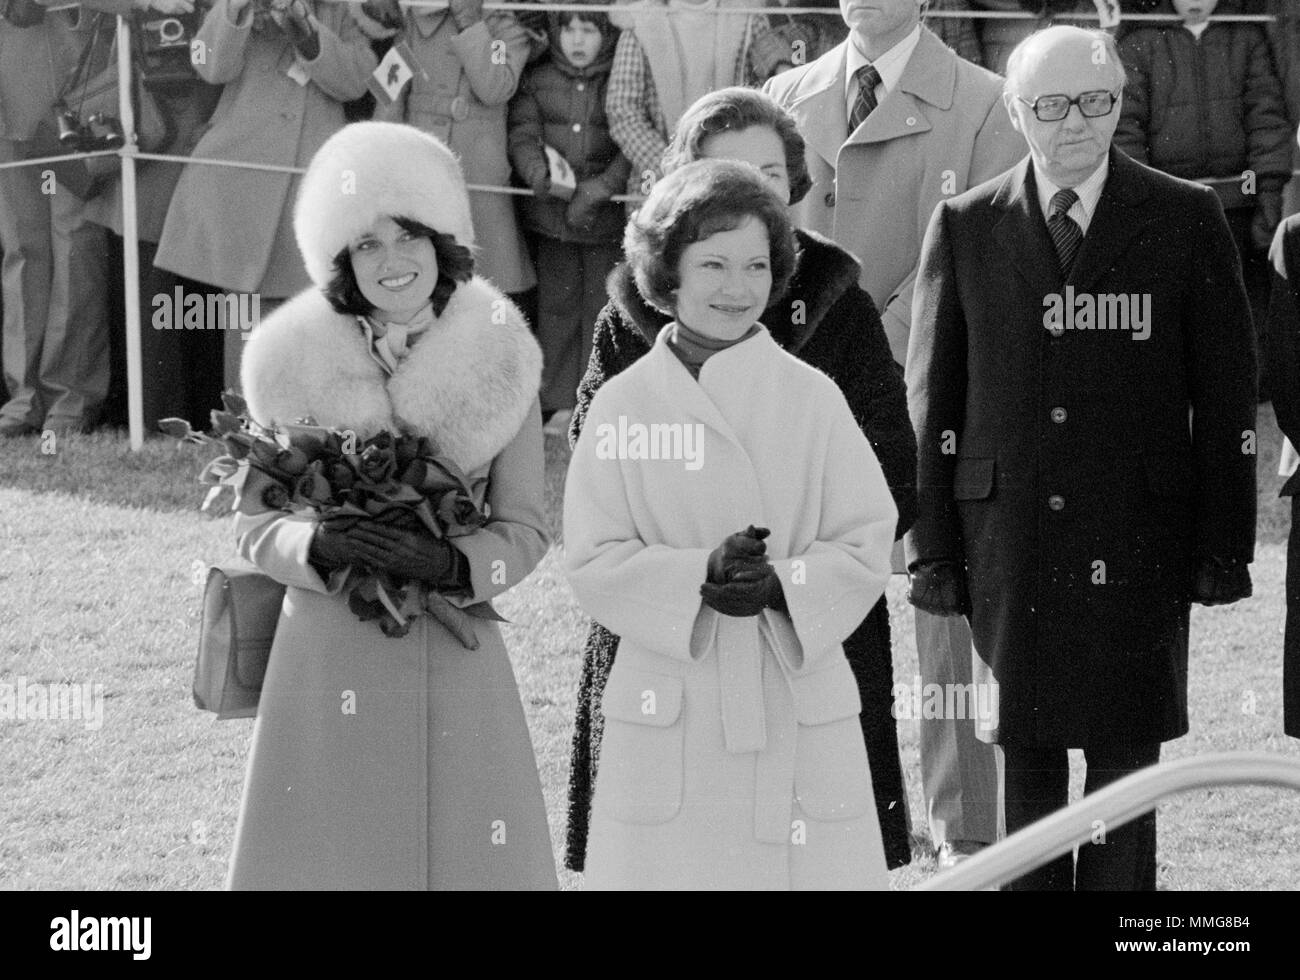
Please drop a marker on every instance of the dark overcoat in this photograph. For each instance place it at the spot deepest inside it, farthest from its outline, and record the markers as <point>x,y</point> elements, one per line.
<point>1283,357</point>
<point>828,322</point>
<point>1079,473</point>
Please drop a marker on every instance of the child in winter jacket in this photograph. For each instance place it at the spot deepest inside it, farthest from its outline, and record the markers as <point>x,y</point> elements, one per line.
<point>1204,101</point>
<point>561,104</point>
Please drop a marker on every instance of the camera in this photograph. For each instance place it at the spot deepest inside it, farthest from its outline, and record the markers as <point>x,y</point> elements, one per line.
<point>166,33</point>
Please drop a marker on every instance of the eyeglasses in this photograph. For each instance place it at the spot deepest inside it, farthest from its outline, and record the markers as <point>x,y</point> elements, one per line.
<point>1051,108</point>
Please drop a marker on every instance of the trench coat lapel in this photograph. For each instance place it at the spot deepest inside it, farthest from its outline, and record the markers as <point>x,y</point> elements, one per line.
<point>1022,231</point>
<point>1114,224</point>
<point>929,78</point>
<point>821,115</point>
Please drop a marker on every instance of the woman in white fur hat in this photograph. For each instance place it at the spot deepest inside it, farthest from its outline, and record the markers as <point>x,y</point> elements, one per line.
<point>377,762</point>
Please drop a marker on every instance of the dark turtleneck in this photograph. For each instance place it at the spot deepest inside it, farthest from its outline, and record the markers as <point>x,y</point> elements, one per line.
<point>693,348</point>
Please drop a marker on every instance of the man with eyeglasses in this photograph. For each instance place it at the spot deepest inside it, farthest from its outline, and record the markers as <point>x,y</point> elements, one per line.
<point>1081,376</point>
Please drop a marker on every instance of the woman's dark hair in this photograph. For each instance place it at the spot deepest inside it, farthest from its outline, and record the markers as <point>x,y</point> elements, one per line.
<point>455,264</point>
<point>733,110</point>
<point>689,205</point>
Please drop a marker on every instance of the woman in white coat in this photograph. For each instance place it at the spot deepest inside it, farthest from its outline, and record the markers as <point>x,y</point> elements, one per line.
<point>382,762</point>
<point>732,754</point>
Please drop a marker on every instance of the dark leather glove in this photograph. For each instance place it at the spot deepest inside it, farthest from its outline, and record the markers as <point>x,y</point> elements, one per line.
<point>1220,581</point>
<point>939,588</point>
<point>332,547</point>
<point>1268,214</point>
<point>747,597</point>
<point>585,204</point>
<point>739,558</point>
<point>405,554</point>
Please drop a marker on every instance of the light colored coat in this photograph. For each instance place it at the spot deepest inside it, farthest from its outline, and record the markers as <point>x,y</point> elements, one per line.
<point>233,227</point>
<point>460,94</point>
<point>397,763</point>
<point>733,756</point>
<point>940,130</point>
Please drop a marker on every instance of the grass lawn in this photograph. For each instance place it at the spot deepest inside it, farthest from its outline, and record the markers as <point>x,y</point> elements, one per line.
<point>103,554</point>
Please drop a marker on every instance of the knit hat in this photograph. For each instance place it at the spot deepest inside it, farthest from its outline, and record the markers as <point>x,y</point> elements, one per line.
<point>371,170</point>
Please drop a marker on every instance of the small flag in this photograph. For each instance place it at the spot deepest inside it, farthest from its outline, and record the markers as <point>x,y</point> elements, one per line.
<point>563,180</point>
<point>1108,12</point>
<point>388,80</point>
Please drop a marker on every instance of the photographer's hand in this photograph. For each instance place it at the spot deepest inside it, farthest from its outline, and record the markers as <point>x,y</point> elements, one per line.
<point>294,18</point>
<point>466,13</point>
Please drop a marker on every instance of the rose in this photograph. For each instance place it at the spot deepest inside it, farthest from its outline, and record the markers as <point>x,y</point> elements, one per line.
<point>275,496</point>
<point>313,489</point>
<point>378,463</point>
<point>341,476</point>
<point>264,452</point>
<point>293,462</point>
<point>458,514</point>
<point>406,449</point>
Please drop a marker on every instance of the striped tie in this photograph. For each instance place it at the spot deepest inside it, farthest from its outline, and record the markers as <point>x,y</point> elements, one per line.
<point>868,79</point>
<point>1066,235</point>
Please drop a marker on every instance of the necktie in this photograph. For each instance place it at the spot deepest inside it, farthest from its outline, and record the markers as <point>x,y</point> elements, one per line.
<point>868,79</point>
<point>1066,235</point>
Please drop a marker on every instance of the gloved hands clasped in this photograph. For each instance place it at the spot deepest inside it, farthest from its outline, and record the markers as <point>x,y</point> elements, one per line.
<point>740,581</point>
<point>403,552</point>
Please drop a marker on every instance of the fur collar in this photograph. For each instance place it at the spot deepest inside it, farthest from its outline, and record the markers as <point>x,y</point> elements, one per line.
<point>468,382</point>
<point>823,272</point>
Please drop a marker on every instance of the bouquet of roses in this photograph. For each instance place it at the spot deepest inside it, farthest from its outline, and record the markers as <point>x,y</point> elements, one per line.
<point>399,481</point>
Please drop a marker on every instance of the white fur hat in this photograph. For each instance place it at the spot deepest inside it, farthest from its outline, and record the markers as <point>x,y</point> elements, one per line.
<point>370,170</point>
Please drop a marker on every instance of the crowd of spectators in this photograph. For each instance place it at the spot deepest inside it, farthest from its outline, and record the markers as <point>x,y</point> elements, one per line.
<point>516,96</point>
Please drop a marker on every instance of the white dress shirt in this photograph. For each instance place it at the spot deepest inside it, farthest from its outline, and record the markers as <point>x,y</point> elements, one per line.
<point>1089,194</point>
<point>890,65</point>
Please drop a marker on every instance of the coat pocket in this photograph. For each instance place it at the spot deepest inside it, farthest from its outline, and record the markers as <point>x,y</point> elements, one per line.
<point>831,777</point>
<point>972,479</point>
<point>641,758</point>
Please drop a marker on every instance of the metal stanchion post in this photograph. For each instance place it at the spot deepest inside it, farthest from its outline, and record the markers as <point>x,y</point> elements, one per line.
<point>130,240</point>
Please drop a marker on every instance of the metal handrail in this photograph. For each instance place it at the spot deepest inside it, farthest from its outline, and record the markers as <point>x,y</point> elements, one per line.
<point>1115,805</point>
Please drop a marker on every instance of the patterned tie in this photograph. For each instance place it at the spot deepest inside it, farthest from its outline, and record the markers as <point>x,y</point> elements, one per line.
<point>1067,236</point>
<point>868,79</point>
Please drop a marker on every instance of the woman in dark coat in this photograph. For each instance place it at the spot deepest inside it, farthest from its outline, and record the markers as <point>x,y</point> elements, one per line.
<point>824,319</point>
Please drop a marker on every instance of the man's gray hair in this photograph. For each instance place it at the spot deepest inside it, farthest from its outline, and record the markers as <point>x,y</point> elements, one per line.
<point>1109,45</point>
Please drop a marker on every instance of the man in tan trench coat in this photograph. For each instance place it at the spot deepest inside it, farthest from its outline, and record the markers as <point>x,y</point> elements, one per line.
<point>931,126</point>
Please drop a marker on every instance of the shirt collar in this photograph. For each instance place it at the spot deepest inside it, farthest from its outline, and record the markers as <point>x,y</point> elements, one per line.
<point>890,64</point>
<point>1089,193</point>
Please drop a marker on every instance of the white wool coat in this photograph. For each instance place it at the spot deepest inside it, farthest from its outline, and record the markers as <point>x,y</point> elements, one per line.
<point>733,756</point>
<point>404,763</point>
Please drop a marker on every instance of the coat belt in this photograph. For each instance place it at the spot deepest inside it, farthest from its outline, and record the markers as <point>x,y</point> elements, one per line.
<point>745,655</point>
